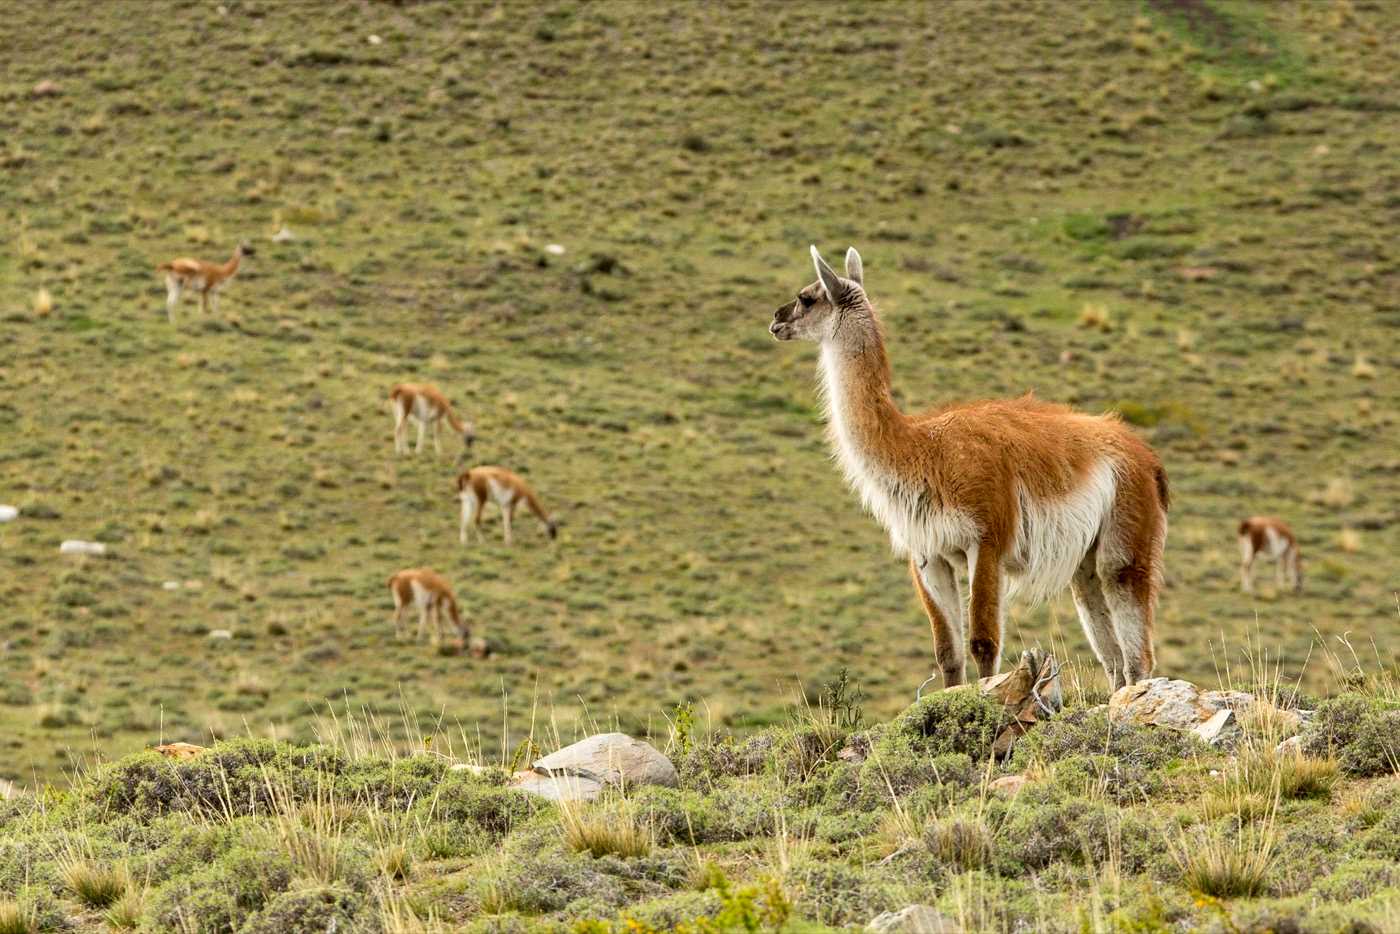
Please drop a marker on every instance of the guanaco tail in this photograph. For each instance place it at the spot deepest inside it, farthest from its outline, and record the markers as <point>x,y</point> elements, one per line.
<point>432,595</point>
<point>427,406</point>
<point>1020,496</point>
<point>206,278</point>
<point>1270,538</point>
<point>509,490</point>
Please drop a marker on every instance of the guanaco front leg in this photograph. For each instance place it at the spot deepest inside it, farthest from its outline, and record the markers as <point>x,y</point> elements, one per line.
<point>398,620</point>
<point>986,610</point>
<point>507,513</point>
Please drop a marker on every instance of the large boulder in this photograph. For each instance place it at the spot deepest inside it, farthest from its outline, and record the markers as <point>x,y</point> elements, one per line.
<point>581,771</point>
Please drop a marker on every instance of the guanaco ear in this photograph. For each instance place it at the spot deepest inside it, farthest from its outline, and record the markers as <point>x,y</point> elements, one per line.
<point>854,270</point>
<point>829,279</point>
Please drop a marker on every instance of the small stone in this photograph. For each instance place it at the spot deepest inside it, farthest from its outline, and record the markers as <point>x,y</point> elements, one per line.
<point>283,236</point>
<point>180,750</point>
<point>372,39</point>
<point>1009,785</point>
<point>916,919</point>
<point>554,249</point>
<point>46,88</point>
<point>74,546</point>
<point>170,585</point>
<point>1291,746</point>
<point>220,634</point>
<point>557,787</point>
<point>1172,703</point>
<point>9,513</point>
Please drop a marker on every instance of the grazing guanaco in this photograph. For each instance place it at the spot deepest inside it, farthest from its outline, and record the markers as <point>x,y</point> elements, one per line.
<point>508,489</point>
<point>1272,539</point>
<point>1022,496</point>
<point>432,595</point>
<point>427,406</point>
<point>207,278</point>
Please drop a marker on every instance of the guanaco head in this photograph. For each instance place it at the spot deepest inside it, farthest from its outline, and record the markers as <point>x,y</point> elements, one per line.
<point>817,311</point>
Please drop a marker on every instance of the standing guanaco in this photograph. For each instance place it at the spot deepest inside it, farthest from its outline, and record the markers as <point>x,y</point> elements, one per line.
<point>426,405</point>
<point>433,596</point>
<point>1273,539</point>
<point>208,278</point>
<point>508,489</point>
<point>1023,496</point>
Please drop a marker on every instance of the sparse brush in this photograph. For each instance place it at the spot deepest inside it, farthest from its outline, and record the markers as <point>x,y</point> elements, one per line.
<point>1265,724</point>
<point>1338,493</point>
<point>1095,317</point>
<point>1227,865</point>
<point>18,917</point>
<point>604,829</point>
<point>43,303</point>
<point>125,913</point>
<point>963,842</point>
<point>1258,777</point>
<point>93,883</point>
<point>394,860</point>
<point>397,915</point>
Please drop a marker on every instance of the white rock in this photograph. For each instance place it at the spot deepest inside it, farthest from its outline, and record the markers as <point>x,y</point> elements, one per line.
<point>8,513</point>
<point>916,919</point>
<point>372,39</point>
<point>1293,745</point>
<point>170,585</point>
<point>554,249</point>
<point>220,634</point>
<point>1217,727</point>
<point>74,546</point>
<point>283,236</point>
<point>557,787</point>
<point>1178,704</point>
<point>611,758</point>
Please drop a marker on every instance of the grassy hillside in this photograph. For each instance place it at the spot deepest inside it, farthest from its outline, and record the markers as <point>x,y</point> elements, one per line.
<point>1182,210</point>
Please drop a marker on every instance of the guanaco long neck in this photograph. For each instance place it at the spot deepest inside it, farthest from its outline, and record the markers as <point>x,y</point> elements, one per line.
<point>231,266</point>
<point>867,429</point>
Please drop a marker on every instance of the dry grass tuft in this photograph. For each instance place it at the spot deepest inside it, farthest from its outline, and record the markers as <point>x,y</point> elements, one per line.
<point>1095,317</point>
<point>1227,863</point>
<point>18,917</point>
<point>43,303</point>
<point>1349,540</point>
<point>601,830</point>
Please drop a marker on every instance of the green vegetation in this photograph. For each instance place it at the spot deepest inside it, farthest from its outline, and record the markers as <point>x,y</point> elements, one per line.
<point>1153,832</point>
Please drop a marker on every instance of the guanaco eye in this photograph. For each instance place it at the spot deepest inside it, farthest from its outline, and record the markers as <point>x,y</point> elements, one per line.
<point>806,300</point>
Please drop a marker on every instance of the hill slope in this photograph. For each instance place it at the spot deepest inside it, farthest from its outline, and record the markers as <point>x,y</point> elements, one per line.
<point>1180,210</point>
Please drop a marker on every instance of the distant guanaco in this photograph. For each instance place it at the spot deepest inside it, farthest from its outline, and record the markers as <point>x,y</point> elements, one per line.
<point>208,278</point>
<point>426,405</point>
<point>1273,539</point>
<point>475,486</point>
<point>433,596</point>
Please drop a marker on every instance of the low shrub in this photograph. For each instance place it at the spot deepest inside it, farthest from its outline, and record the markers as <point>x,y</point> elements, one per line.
<point>317,908</point>
<point>488,807</point>
<point>1090,732</point>
<point>1362,732</point>
<point>957,721</point>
